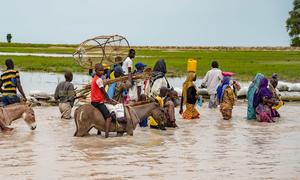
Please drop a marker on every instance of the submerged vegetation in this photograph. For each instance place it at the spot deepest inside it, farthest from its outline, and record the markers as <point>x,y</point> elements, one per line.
<point>245,64</point>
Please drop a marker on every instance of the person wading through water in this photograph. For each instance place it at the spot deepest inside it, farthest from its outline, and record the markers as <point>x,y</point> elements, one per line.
<point>65,93</point>
<point>99,97</point>
<point>171,101</point>
<point>212,80</point>
<point>189,98</point>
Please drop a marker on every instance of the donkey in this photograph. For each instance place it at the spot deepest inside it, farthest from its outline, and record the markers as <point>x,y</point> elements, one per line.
<point>86,117</point>
<point>16,111</point>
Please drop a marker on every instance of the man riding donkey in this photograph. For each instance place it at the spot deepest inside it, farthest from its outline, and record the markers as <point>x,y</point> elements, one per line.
<point>10,80</point>
<point>124,117</point>
<point>99,97</point>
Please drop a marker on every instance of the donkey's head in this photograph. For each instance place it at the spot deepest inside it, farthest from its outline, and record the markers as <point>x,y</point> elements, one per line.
<point>159,116</point>
<point>29,118</point>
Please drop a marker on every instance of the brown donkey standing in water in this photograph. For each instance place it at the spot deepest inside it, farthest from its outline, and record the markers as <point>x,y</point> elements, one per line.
<point>14,112</point>
<point>86,117</point>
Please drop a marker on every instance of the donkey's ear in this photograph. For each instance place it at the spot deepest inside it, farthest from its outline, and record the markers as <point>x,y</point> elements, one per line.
<point>155,100</point>
<point>30,104</point>
<point>152,99</point>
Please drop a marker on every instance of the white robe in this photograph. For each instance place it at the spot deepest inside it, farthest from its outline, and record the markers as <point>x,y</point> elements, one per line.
<point>212,80</point>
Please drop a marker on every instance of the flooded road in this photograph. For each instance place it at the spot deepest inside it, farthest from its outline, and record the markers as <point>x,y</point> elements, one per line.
<point>208,148</point>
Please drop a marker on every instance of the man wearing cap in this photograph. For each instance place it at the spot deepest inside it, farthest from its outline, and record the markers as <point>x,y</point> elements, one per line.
<point>106,71</point>
<point>106,74</point>
<point>99,97</point>
<point>136,90</point>
<point>122,87</point>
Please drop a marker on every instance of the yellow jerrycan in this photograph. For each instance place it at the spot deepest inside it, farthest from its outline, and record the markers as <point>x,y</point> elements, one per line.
<point>192,65</point>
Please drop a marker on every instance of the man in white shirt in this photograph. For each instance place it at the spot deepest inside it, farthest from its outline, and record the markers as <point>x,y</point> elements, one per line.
<point>137,88</point>
<point>127,64</point>
<point>211,80</point>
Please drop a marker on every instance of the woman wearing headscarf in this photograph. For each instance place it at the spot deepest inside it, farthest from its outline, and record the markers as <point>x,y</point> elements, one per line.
<point>158,78</point>
<point>250,94</point>
<point>189,98</point>
<point>225,96</point>
<point>263,102</point>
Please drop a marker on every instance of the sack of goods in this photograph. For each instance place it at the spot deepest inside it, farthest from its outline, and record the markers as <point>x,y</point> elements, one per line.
<point>118,109</point>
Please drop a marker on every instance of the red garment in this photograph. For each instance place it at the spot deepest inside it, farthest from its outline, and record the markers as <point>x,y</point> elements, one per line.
<point>96,93</point>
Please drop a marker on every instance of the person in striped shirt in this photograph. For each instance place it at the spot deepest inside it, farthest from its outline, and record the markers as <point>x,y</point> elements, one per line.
<point>9,83</point>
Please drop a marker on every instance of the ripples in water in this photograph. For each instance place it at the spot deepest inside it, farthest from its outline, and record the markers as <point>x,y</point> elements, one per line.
<point>208,148</point>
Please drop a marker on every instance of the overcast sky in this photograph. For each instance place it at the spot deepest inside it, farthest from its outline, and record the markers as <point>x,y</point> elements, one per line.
<point>151,22</point>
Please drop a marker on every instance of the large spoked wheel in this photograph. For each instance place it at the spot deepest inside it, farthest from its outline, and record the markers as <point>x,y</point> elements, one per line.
<point>101,49</point>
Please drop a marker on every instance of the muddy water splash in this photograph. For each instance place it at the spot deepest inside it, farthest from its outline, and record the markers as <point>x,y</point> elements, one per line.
<point>209,148</point>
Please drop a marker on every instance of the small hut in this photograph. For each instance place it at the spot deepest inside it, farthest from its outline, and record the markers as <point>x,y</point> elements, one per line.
<point>101,49</point>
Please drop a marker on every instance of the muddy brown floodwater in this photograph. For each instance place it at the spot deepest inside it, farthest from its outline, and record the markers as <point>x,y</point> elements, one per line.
<point>208,148</point>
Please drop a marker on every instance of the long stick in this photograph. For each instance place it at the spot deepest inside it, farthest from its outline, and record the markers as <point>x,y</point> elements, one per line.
<point>86,89</point>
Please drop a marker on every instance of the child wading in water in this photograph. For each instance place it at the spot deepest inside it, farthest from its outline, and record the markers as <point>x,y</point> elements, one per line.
<point>189,98</point>
<point>226,98</point>
<point>65,93</point>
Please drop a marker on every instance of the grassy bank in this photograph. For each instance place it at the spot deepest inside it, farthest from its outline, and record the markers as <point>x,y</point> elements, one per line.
<point>47,64</point>
<point>244,63</point>
<point>38,48</point>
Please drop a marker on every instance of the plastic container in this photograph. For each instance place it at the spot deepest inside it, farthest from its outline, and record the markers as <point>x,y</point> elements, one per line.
<point>199,101</point>
<point>192,65</point>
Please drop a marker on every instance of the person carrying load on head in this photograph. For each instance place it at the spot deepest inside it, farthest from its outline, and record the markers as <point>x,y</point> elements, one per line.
<point>99,97</point>
<point>65,93</point>
<point>189,98</point>
<point>10,80</point>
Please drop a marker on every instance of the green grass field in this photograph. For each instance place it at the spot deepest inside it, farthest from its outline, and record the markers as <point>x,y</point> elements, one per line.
<point>244,63</point>
<point>37,48</point>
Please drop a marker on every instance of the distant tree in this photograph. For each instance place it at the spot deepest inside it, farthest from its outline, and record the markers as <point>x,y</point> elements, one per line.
<point>293,24</point>
<point>9,37</point>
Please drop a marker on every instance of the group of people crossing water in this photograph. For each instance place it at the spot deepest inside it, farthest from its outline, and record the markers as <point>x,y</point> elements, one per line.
<point>222,90</point>
<point>263,97</point>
